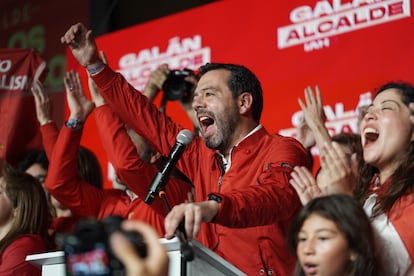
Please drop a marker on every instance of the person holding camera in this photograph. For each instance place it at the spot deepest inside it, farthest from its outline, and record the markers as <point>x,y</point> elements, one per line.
<point>177,85</point>
<point>240,171</point>
<point>154,264</point>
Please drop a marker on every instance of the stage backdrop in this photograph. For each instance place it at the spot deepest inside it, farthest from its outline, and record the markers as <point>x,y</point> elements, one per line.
<point>348,48</point>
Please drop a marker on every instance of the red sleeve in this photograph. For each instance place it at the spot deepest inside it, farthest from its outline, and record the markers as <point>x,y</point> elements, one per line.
<point>13,261</point>
<point>136,111</point>
<point>49,133</point>
<point>128,166</point>
<point>63,181</point>
<point>401,216</point>
<point>121,151</point>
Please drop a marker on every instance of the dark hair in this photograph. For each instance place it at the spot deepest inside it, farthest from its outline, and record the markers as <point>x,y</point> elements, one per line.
<point>402,180</point>
<point>352,221</point>
<point>241,80</point>
<point>351,140</point>
<point>89,168</point>
<point>28,198</point>
<point>33,157</point>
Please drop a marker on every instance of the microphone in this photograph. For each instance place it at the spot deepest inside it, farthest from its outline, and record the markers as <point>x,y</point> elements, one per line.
<point>159,181</point>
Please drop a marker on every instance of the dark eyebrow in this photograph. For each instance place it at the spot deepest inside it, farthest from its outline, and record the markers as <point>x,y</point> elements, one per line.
<point>204,90</point>
<point>208,88</point>
<point>323,230</point>
<point>392,101</point>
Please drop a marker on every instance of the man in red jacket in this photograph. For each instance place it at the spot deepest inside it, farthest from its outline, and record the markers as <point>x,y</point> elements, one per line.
<point>239,170</point>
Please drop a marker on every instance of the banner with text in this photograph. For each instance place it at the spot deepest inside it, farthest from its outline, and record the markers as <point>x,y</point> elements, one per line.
<point>346,47</point>
<point>18,121</point>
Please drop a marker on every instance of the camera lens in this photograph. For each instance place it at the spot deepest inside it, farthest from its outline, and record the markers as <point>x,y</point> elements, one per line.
<point>176,87</point>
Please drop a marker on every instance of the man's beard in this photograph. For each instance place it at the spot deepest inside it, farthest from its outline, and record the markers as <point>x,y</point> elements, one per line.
<point>225,129</point>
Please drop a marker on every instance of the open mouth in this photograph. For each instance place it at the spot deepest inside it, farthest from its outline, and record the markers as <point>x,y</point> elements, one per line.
<point>371,135</point>
<point>310,268</point>
<point>206,123</point>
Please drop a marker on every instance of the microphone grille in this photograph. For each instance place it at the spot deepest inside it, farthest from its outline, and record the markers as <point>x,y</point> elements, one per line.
<point>185,137</point>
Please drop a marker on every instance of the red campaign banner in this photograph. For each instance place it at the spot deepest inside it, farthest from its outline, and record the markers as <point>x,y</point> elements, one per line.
<point>18,122</point>
<point>346,47</point>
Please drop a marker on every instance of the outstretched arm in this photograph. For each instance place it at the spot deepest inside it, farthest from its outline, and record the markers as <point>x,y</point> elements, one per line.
<point>125,155</point>
<point>48,127</point>
<point>63,181</point>
<point>82,43</point>
<point>314,115</point>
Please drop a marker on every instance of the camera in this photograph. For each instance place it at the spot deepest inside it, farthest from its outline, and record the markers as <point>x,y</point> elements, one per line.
<point>87,250</point>
<point>175,87</point>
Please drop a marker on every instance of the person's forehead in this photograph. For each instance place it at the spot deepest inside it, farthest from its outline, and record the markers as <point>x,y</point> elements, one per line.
<point>218,74</point>
<point>213,79</point>
<point>389,94</point>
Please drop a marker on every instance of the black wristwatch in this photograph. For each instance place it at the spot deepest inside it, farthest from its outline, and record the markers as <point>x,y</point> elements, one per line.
<point>215,197</point>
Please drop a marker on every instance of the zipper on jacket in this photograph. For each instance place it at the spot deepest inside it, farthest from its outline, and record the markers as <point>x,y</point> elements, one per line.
<point>223,171</point>
<point>220,180</point>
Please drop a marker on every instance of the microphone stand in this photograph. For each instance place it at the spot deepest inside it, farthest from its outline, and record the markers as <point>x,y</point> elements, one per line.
<point>187,253</point>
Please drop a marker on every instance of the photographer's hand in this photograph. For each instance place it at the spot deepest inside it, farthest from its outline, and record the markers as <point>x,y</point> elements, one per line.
<point>155,81</point>
<point>156,262</point>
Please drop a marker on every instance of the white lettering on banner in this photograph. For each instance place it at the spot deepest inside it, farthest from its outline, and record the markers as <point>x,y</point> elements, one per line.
<point>5,65</point>
<point>179,54</point>
<point>337,120</point>
<point>13,82</point>
<point>313,27</point>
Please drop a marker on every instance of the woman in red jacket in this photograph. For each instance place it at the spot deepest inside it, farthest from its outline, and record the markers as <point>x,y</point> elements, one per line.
<point>24,220</point>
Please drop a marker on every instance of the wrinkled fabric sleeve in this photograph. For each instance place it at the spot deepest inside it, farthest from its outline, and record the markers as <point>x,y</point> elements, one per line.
<point>63,181</point>
<point>49,133</point>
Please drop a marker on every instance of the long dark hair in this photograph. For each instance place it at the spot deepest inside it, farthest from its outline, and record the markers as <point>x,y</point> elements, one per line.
<point>352,221</point>
<point>402,180</point>
<point>28,198</point>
